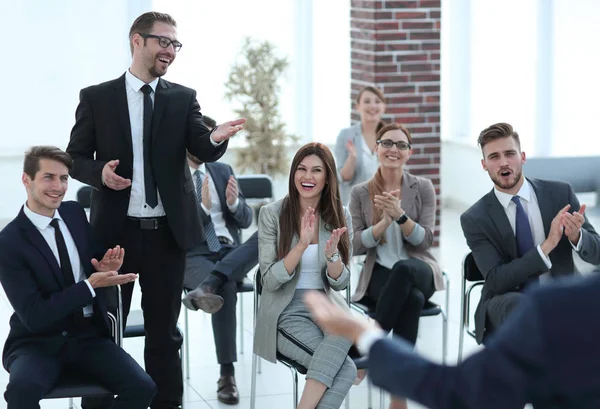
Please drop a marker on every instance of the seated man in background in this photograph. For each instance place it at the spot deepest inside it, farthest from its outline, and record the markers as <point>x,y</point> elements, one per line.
<point>50,272</point>
<point>215,266</point>
<point>522,231</point>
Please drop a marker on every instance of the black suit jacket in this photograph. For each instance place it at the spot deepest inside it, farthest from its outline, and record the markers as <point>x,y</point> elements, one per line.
<point>242,218</point>
<point>102,132</point>
<point>494,246</point>
<point>546,354</point>
<point>32,279</point>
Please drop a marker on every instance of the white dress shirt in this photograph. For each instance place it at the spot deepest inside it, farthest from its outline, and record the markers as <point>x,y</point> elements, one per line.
<point>42,223</point>
<point>310,275</point>
<point>216,212</point>
<point>135,103</point>
<point>532,208</point>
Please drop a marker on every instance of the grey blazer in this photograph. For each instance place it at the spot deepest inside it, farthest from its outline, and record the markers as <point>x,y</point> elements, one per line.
<point>361,174</point>
<point>492,241</point>
<point>419,203</point>
<point>278,285</point>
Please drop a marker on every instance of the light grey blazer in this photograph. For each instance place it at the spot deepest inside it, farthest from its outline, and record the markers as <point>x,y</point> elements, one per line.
<point>278,285</point>
<point>419,202</point>
<point>361,174</point>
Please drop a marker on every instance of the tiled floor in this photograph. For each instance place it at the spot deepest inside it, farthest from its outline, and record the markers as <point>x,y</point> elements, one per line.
<point>274,386</point>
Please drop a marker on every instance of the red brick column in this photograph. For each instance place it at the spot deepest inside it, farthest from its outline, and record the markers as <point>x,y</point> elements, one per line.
<point>396,47</point>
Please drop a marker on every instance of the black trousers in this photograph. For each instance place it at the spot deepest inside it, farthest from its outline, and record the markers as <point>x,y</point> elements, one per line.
<point>33,374</point>
<point>399,295</point>
<point>159,261</point>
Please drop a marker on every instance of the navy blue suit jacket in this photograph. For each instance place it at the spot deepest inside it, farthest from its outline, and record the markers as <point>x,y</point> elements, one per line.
<point>33,282</point>
<point>546,353</point>
<point>242,218</point>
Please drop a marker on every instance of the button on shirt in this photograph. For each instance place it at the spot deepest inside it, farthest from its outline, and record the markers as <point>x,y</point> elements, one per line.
<point>530,204</point>
<point>42,223</point>
<point>135,103</point>
<point>215,212</point>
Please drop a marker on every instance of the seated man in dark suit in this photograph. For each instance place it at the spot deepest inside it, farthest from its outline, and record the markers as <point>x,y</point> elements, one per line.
<point>215,266</point>
<point>545,354</point>
<point>50,272</point>
<point>523,231</point>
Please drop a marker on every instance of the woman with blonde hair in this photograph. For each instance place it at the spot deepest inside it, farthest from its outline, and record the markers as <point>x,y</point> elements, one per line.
<point>304,244</point>
<point>355,146</point>
<point>393,215</point>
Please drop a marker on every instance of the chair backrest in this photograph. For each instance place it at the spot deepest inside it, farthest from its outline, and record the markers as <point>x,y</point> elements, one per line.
<point>470,270</point>
<point>256,186</point>
<point>84,196</point>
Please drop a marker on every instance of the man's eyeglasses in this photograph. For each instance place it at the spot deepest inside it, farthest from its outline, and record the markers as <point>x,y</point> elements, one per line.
<point>164,42</point>
<point>388,143</point>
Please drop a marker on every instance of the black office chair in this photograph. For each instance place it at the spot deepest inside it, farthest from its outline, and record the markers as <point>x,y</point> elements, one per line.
<point>295,368</point>
<point>73,384</point>
<point>84,196</point>
<point>470,273</point>
<point>257,189</point>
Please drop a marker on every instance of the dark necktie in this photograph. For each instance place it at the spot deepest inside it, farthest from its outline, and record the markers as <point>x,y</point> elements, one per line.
<point>209,229</point>
<point>63,254</point>
<point>522,229</point>
<point>149,184</point>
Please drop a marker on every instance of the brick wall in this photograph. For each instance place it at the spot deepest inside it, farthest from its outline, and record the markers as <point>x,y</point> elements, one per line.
<point>395,45</point>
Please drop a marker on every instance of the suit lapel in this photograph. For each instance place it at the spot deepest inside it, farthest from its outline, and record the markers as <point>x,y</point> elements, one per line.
<point>39,243</point>
<point>217,180</point>
<point>498,216</point>
<point>544,203</point>
<point>160,103</point>
<point>409,191</point>
<point>122,109</point>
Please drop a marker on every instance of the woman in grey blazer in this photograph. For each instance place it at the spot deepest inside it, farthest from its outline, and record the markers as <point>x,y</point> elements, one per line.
<point>399,273</point>
<point>304,244</point>
<point>355,146</point>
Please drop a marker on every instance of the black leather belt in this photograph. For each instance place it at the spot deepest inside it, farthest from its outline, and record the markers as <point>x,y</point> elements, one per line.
<point>148,223</point>
<point>224,240</point>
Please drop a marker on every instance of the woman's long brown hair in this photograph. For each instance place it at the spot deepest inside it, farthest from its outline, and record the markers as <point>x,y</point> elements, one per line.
<point>330,206</point>
<point>377,183</point>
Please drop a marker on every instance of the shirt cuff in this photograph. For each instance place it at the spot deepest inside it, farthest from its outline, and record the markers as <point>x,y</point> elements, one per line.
<point>417,236</point>
<point>233,208</point>
<point>90,287</point>
<point>368,239</point>
<point>367,339</point>
<point>215,144</point>
<point>578,246</point>
<point>544,257</point>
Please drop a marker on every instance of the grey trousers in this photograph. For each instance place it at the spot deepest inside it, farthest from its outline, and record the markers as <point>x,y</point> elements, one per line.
<point>325,356</point>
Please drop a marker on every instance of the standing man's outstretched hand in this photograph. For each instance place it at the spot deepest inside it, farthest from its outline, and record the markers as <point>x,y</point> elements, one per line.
<point>227,130</point>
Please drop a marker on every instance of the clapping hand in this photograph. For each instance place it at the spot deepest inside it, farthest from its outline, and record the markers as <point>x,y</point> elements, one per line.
<point>351,148</point>
<point>111,179</point>
<point>331,247</point>
<point>389,203</point>
<point>206,193</point>
<point>572,224</point>
<point>227,130</point>
<point>112,260</point>
<point>307,227</point>
<point>231,193</point>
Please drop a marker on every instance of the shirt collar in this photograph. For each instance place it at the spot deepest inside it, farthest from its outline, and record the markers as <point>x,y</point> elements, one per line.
<point>505,198</point>
<point>201,168</point>
<point>137,84</point>
<point>40,221</point>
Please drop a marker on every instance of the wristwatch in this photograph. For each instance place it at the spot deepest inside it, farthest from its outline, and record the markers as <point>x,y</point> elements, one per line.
<point>402,219</point>
<point>334,257</point>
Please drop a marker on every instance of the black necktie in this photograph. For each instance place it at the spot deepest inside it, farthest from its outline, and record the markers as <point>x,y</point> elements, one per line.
<point>149,184</point>
<point>63,254</point>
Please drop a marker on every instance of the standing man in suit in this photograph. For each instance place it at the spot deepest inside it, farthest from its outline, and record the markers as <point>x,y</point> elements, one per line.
<point>129,142</point>
<point>216,265</point>
<point>51,275</point>
<point>546,354</point>
<point>522,231</point>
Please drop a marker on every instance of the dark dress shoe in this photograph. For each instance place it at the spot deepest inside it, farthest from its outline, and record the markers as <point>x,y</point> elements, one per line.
<point>203,298</point>
<point>227,391</point>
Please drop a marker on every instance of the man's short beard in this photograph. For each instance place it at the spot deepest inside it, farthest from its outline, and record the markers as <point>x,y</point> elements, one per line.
<point>498,183</point>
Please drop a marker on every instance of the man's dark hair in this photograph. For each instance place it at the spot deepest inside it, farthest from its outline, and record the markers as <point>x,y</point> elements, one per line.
<point>497,131</point>
<point>145,23</point>
<point>208,121</point>
<point>31,164</point>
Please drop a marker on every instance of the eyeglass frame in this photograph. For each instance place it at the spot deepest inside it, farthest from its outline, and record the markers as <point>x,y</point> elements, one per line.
<point>176,44</point>
<point>408,146</point>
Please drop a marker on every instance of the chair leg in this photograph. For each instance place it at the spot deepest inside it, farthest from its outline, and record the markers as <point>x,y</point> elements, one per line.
<point>71,403</point>
<point>347,400</point>
<point>253,381</point>
<point>295,383</point>
<point>444,336</point>
<point>186,343</point>
<point>381,399</point>
<point>259,365</point>
<point>241,323</point>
